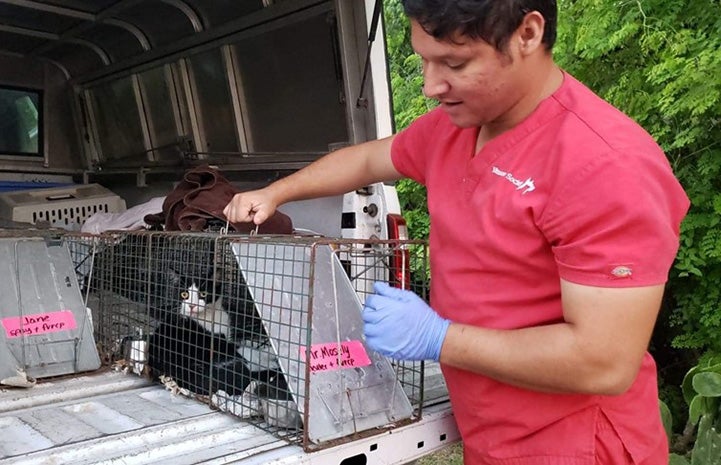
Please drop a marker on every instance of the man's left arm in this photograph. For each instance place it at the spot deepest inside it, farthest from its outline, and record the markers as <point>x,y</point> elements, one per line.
<point>597,349</point>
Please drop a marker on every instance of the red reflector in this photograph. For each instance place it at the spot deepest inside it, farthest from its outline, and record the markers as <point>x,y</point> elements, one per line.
<point>400,258</point>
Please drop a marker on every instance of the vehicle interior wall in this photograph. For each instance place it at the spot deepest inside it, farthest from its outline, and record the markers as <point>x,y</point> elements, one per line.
<point>246,99</point>
<point>161,81</point>
<point>59,146</point>
<point>138,92</point>
<point>136,191</point>
<point>322,215</point>
<point>259,103</point>
<point>294,101</point>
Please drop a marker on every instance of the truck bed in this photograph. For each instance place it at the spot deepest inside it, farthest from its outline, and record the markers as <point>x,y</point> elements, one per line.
<point>115,418</point>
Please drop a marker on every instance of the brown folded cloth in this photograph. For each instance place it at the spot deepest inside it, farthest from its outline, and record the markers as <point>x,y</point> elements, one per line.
<point>201,196</point>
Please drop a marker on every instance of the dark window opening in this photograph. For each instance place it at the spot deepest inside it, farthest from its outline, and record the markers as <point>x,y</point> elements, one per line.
<point>359,459</point>
<point>21,127</point>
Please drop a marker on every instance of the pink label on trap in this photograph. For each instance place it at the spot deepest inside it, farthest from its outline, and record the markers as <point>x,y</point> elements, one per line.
<point>39,323</point>
<point>325,357</point>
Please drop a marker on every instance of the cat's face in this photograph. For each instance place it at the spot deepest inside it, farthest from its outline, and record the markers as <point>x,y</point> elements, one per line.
<point>193,292</point>
<point>192,300</point>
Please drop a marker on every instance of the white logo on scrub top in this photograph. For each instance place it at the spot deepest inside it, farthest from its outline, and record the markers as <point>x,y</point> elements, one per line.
<point>526,185</point>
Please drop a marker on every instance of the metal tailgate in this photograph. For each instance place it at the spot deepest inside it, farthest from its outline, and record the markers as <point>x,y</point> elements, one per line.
<point>115,418</point>
<point>111,418</point>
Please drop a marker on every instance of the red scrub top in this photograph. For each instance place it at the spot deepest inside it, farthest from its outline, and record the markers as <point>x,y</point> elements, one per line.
<point>576,191</point>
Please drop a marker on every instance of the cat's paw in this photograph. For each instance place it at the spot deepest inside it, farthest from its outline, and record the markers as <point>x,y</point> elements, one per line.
<point>173,387</point>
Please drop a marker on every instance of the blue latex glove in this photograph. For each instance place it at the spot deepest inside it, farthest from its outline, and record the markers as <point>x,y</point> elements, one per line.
<point>400,325</point>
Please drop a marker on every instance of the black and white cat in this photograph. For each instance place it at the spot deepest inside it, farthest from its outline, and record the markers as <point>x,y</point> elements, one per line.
<point>195,346</point>
<point>213,317</point>
<point>204,363</point>
<point>224,308</point>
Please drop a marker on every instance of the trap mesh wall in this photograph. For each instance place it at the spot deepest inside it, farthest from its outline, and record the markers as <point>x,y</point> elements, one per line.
<point>265,328</point>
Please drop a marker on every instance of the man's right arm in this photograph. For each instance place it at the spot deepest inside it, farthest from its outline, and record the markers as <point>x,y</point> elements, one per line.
<point>338,172</point>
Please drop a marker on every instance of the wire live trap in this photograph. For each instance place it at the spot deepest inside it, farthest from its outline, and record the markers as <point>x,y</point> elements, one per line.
<point>45,325</point>
<point>265,328</point>
<point>312,317</point>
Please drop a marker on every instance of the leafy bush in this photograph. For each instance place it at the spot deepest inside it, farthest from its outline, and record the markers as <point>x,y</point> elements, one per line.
<point>702,392</point>
<point>660,62</point>
<point>408,104</point>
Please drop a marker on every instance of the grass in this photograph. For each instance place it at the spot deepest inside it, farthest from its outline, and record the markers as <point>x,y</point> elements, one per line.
<point>452,455</point>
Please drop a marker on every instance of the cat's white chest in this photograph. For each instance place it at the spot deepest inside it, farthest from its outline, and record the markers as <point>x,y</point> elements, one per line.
<point>215,320</point>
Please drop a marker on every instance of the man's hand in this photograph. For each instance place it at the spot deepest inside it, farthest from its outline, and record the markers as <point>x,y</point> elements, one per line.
<point>256,206</point>
<point>400,325</point>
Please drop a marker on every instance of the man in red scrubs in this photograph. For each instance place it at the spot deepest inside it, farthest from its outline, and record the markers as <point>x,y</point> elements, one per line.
<point>554,223</point>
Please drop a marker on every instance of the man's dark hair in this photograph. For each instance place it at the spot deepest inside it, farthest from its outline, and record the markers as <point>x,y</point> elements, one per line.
<point>493,21</point>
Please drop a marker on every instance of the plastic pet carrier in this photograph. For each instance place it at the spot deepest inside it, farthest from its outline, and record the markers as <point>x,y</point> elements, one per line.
<point>63,207</point>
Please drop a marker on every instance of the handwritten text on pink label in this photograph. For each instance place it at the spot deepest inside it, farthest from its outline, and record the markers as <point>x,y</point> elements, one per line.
<point>39,323</point>
<point>325,357</point>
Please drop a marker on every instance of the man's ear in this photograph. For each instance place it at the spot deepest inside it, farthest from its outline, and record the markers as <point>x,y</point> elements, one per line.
<point>529,35</point>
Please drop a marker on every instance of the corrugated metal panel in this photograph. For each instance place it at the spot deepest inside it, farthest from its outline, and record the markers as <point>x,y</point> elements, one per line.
<point>113,418</point>
<point>52,424</point>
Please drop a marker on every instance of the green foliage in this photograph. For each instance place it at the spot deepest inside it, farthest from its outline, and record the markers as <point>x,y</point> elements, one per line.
<point>413,203</point>
<point>660,62</point>
<point>405,67</point>
<point>408,104</point>
<point>677,460</point>
<point>666,418</point>
<point>702,391</point>
<point>671,398</point>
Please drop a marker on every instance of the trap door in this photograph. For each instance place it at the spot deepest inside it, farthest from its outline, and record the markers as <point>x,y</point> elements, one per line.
<point>45,329</point>
<point>351,388</point>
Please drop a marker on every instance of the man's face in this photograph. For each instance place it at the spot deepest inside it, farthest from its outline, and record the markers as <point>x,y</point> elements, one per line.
<point>474,83</point>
